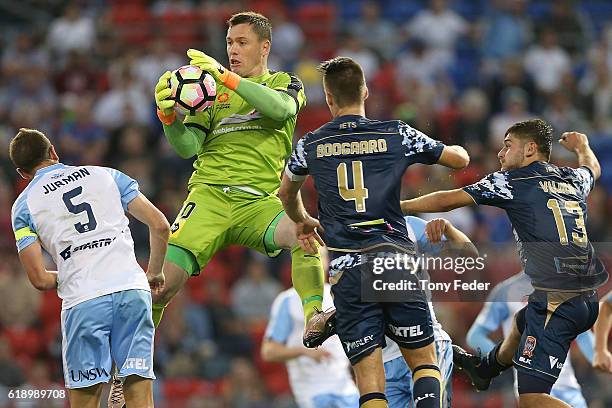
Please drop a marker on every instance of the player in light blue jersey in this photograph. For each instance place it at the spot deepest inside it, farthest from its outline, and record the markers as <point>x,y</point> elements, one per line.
<point>77,214</point>
<point>602,359</point>
<point>398,387</point>
<point>504,301</point>
<point>319,378</point>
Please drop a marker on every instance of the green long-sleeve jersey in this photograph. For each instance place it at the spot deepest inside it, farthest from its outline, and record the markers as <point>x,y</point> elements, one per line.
<point>238,145</point>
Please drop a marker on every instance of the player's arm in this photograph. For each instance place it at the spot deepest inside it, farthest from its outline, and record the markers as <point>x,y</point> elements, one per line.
<point>453,242</point>
<point>579,144</point>
<point>32,261</point>
<point>494,312</point>
<point>586,344</point>
<point>602,358</point>
<point>186,141</point>
<point>454,157</point>
<point>440,201</point>
<point>278,106</point>
<point>275,352</point>
<point>159,231</point>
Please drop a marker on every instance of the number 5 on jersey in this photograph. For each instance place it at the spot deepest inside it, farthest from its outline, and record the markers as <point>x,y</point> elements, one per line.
<point>358,193</point>
<point>91,223</point>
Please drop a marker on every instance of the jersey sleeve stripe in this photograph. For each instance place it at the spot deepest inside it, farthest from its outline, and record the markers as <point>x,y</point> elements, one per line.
<point>294,177</point>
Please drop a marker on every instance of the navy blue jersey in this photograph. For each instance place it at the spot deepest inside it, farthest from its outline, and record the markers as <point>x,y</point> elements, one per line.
<point>357,165</point>
<point>547,207</point>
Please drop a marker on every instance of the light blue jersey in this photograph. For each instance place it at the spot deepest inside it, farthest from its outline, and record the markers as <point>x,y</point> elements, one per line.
<point>314,384</point>
<point>77,213</point>
<point>507,298</point>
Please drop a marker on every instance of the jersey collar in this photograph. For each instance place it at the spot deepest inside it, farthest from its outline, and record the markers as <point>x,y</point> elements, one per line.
<point>47,169</point>
<point>260,78</point>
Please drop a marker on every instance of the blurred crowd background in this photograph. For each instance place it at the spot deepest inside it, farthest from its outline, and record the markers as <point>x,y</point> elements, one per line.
<point>461,71</point>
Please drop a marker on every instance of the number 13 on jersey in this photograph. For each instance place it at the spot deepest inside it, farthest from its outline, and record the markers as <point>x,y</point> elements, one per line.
<point>359,193</point>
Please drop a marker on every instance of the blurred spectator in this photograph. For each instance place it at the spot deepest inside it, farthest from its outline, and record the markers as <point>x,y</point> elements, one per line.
<point>353,48</point>
<point>80,139</point>
<point>124,103</point>
<point>573,28</point>
<point>22,54</point>
<point>473,125</point>
<point>515,110</point>
<point>253,294</point>
<point>287,38</point>
<point>171,6</point>
<point>506,32</point>
<point>159,58</point>
<point>39,378</point>
<point>563,115</point>
<point>377,34</point>
<point>21,300</point>
<point>244,388</point>
<point>72,31</point>
<point>420,64</point>
<point>547,62</point>
<point>78,76</point>
<point>511,74</point>
<point>439,28</point>
<point>11,375</point>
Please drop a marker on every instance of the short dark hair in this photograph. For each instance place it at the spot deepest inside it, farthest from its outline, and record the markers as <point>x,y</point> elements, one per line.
<point>535,130</point>
<point>260,23</point>
<point>28,149</point>
<point>344,79</point>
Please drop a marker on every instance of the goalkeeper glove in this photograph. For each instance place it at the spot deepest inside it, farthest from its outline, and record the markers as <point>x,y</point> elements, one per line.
<point>209,64</point>
<point>165,113</point>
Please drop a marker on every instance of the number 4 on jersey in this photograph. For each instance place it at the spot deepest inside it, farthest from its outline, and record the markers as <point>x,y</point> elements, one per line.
<point>358,193</point>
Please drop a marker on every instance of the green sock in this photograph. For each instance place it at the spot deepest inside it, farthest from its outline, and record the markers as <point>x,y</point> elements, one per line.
<point>158,311</point>
<point>307,277</point>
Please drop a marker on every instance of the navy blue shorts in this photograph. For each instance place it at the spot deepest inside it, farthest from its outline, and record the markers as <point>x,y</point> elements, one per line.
<point>362,325</point>
<point>552,321</point>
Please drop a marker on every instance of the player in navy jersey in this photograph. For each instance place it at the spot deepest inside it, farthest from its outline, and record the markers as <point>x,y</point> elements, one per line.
<point>546,205</point>
<point>357,165</point>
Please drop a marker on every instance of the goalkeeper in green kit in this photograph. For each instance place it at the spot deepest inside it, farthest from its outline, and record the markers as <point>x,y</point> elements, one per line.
<point>241,144</point>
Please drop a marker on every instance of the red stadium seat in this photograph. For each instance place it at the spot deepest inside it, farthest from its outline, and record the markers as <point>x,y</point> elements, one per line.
<point>133,22</point>
<point>318,21</point>
<point>182,30</point>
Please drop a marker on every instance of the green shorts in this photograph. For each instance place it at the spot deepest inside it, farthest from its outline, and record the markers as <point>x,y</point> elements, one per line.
<point>214,217</point>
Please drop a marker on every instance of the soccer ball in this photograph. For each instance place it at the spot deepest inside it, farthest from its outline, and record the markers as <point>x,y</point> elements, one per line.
<point>193,90</point>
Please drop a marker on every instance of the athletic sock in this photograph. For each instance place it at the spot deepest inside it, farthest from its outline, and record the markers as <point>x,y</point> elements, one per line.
<point>373,400</point>
<point>307,277</point>
<point>489,366</point>
<point>427,387</point>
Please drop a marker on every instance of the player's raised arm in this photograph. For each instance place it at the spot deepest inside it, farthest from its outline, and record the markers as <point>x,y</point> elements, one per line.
<point>454,157</point>
<point>579,144</point>
<point>278,105</point>
<point>159,231</point>
<point>440,201</point>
